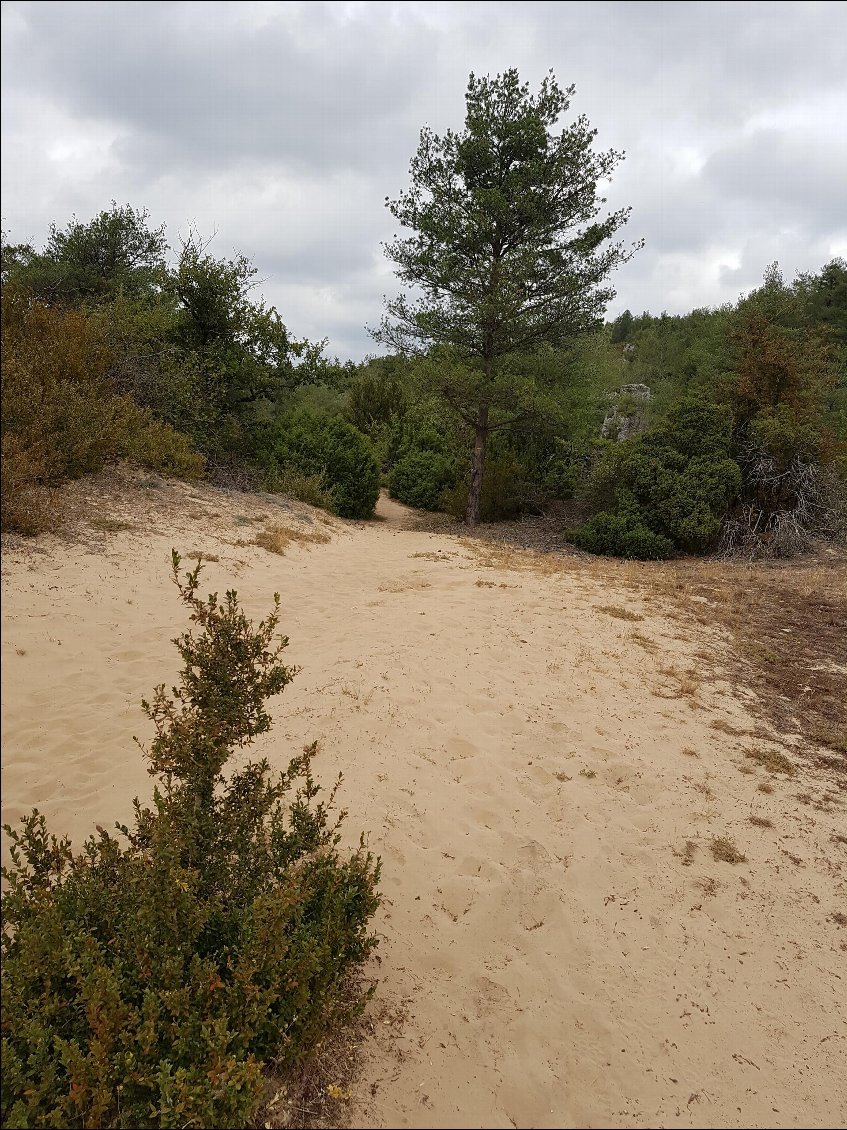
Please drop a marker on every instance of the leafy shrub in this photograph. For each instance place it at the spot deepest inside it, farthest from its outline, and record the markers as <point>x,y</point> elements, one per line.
<point>677,480</point>
<point>25,505</point>
<point>622,533</point>
<point>146,981</point>
<point>336,451</point>
<point>311,489</point>
<point>159,447</point>
<point>420,478</point>
<point>503,490</point>
<point>377,395</point>
<point>60,415</point>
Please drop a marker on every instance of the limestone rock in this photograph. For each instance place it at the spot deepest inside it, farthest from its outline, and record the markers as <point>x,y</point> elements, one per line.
<point>627,415</point>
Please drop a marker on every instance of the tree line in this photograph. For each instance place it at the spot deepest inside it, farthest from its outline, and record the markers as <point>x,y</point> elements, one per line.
<point>501,372</point>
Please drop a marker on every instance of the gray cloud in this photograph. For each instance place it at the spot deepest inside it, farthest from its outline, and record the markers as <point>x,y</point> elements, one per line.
<point>284,126</point>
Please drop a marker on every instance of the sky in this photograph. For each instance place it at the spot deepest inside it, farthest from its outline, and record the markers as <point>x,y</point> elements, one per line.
<point>280,129</point>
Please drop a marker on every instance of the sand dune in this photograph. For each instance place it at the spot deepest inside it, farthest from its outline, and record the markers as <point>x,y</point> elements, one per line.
<point>562,946</point>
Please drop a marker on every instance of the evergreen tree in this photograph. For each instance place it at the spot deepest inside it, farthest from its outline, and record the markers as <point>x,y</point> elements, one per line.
<point>507,249</point>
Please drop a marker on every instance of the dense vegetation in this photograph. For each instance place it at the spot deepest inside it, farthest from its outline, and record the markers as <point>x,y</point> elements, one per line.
<point>117,346</point>
<point>148,980</point>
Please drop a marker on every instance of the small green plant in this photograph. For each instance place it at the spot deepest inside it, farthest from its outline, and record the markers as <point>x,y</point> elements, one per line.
<point>311,489</point>
<point>148,980</point>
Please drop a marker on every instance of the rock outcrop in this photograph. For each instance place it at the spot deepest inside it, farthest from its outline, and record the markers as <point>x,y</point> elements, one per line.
<point>627,415</point>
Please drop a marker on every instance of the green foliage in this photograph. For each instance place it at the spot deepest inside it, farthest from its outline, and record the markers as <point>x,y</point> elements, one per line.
<point>336,451</point>
<point>677,480</point>
<point>115,253</point>
<point>160,447</point>
<point>147,980</point>
<point>504,489</point>
<point>311,489</point>
<point>377,395</point>
<point>419,478</point>
<point>60,415</point>
<point>621,328</point>
<point>622,533</point>
<point>506,248</point>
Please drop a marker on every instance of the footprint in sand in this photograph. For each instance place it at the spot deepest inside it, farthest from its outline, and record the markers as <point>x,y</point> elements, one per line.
<point>461,749</point>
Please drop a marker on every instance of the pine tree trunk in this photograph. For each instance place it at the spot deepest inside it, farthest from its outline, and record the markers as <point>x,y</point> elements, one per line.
<point>477,466</point>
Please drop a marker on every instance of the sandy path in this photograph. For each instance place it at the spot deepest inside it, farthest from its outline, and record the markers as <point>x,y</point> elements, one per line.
<point>518,758</point>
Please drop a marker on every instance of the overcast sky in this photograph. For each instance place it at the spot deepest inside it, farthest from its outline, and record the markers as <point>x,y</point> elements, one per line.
<point>283,126</point>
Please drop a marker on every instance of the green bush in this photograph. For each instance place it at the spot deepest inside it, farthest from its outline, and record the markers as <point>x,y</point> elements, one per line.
<point>146,981</point>
<point>679,478</point>
<point>61,417</point>
<point>420,478</point>
<point>622,533</point>
<point>159,447</point>
<point>503,490</point>
<point>311,489</point>
<point>336,451</point>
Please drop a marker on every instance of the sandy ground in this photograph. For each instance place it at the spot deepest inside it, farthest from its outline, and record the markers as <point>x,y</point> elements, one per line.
<point>553,953</point>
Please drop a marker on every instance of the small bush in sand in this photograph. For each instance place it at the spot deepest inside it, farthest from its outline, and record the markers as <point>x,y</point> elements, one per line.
<point>619,613</point>
<point>831,736</point>
<point>276,539</point>
<point>772,760</point>
<point>150,979</point>
<point>724,850</point>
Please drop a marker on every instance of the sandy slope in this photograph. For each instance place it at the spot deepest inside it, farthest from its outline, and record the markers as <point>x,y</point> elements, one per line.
<point>518,758</point>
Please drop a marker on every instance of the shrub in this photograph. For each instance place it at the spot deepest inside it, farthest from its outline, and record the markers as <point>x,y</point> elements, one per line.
<point>311,489</point>
<point>677,480</point>
<point>146,981</point>
<point>159,447</point>
<point>25,505</point>
<point>420,478</point>
<point>622,533</point>
<point>503,490</point>
<point>60,415</point>
<point>336,451</point>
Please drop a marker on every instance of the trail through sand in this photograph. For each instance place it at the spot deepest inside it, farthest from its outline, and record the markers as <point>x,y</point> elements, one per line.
<point>559,946</point>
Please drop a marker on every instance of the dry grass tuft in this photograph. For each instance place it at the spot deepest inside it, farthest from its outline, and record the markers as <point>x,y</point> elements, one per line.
<point>618,612</point>
<point>689,752</point>
<point>724,850</point>
<point>709,886</point>
<point>833,737</point>
<point>686,682</point>
<point>723,727</point>
<point>761,821</point>
<point>198,555</point>
<point>689,850</point>
<point>765,787</point>
<point>276,539</point>
<point>644,641</point>
<point>110,525</point>
<point>771,760</point>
